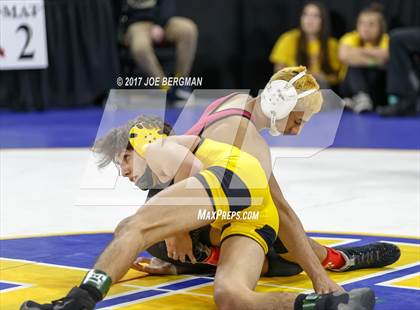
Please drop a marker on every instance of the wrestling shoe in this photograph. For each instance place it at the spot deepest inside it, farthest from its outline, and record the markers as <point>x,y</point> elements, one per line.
<point>357,299</point>
<point>374,255</point>
<point>77,299</point>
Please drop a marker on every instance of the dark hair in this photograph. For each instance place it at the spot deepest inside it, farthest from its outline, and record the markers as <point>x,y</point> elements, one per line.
<point>376,8</point>
<point>323,36</point>
<point>116,140</point>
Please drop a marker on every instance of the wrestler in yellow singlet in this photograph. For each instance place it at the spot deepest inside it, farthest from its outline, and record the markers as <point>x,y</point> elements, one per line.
<point>235,181</point>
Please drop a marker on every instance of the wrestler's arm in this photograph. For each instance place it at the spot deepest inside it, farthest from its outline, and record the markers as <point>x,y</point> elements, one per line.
<point>291,231</point>
<point>293,236</point>
<point>170,160</point>
<point>175,161</point>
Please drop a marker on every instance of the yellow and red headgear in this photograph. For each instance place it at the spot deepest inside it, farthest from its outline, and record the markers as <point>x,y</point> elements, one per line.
<point>140,137</point>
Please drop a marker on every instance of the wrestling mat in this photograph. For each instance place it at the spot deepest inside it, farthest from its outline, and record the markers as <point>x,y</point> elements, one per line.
<point>45,268</point>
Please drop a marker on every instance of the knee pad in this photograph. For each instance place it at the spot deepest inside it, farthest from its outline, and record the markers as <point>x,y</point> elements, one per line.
<point>279,267</point>
<point>279,247</point>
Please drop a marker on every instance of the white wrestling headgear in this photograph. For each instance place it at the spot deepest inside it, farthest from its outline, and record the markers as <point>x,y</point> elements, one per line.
<point>279,98</point>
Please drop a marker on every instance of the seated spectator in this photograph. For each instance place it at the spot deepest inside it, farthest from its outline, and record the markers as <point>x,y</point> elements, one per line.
<point>365,53</point>
<point>310,45</point>
<point>403,73</point>
<point>153,22</point>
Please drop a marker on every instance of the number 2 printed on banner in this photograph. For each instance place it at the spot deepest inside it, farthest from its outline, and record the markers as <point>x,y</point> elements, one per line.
<point>28,31</point>
<point>23,35</point>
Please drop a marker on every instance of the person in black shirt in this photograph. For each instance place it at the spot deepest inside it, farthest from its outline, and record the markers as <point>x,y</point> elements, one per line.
<point>403,78</point>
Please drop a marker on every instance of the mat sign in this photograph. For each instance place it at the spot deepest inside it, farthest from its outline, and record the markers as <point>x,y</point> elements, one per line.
<point>23,39</point>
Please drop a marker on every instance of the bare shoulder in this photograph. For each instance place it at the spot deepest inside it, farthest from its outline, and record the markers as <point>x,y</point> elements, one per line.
<point>187,141</point>
<point>254,144</point>
<point>237,101</point>
<point>263,153</point>
<point>239,98</point>
<point>171,147</point>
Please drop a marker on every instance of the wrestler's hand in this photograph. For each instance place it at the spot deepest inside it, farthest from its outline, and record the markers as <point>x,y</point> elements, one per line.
<point>323,285</point>
<point>180,246</point>
<point>154,266</point>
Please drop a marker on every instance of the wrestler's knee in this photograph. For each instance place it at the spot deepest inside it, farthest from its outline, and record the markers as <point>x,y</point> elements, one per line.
<point>229,296</point>
<point>136,223</point>
<point>130,231</point>
<point>122,226</point>
<point>149,222</point>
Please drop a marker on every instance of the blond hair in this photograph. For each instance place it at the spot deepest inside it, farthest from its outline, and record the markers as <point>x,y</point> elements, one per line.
<point>312,102</point>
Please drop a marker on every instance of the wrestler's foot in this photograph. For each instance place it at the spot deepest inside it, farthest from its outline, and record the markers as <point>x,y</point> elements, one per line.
<point>357,299</point>
<point>375,255</point>
<point>77,299</point>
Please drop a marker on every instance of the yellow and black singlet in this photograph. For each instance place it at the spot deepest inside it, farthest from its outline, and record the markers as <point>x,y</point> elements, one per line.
<point>238,188</point>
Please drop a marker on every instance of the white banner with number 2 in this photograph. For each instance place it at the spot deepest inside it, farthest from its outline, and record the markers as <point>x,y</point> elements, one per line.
<point>23,38</point>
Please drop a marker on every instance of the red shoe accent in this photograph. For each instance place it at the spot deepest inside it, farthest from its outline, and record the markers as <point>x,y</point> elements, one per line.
<point>334,259</point>
<point>213,257</point>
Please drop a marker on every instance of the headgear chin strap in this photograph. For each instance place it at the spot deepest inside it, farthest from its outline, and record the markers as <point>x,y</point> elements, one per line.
<point>140,137</point>
<point>279,98</point>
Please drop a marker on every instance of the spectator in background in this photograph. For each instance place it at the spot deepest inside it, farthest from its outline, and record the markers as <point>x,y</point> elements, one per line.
<point>403,73</point>
<point>365,53</point>
<point>310,45</point>
<point>152,22</point>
